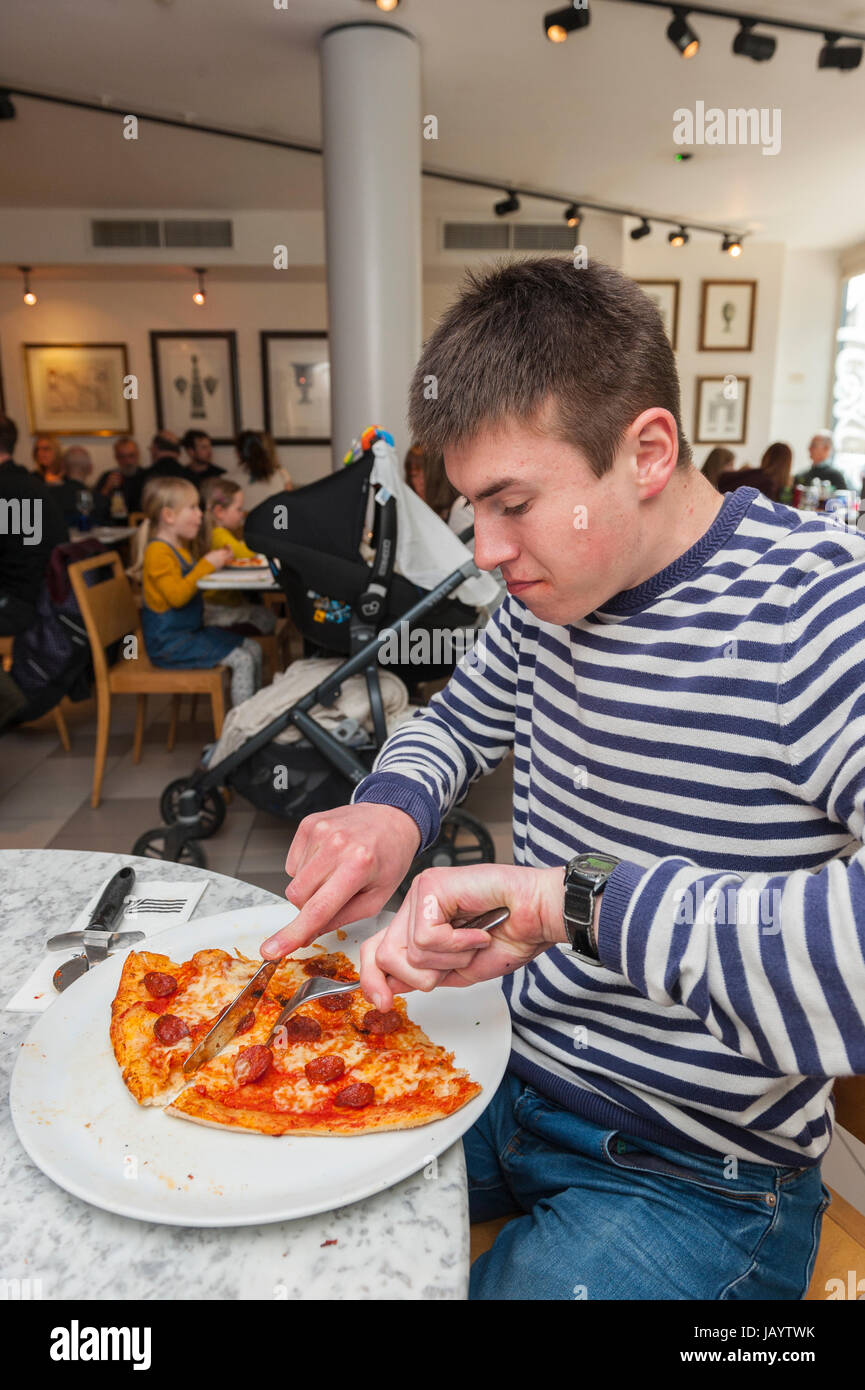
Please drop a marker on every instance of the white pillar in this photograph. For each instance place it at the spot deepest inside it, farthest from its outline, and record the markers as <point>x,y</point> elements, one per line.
<point>371,122</point>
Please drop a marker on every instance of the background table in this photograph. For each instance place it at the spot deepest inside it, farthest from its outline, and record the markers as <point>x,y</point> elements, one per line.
<point>409,1242</point>
<point>257,581</point>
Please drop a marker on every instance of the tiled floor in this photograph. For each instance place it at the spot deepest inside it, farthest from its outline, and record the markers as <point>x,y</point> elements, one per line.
<point>45,803</point>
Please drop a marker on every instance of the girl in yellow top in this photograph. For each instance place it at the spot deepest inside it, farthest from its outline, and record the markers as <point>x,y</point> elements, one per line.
<point>223,519</point>
<point>172,617</point>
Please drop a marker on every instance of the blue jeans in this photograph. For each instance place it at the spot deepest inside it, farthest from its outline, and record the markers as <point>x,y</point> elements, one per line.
<point>602,1215</point>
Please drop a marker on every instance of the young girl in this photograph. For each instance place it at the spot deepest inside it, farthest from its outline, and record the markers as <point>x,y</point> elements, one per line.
<point>223,518</point>
<point>172,617</point>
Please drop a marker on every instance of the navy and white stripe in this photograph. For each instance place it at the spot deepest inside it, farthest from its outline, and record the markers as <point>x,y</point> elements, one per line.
<point>708,728</point>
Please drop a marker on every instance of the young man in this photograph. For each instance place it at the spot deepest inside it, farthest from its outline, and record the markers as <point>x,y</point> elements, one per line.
<point>681,678</point>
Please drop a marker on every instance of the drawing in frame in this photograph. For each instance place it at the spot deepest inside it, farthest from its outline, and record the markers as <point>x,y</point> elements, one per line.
<point>195,383</point>
<point>721,412</point>
<point>77,388</point>
<point>295,385</point>
<point>727,310</point>
<point>664,294</point>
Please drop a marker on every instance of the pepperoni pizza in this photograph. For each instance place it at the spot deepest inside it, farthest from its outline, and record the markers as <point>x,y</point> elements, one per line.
<point>337,1066</point>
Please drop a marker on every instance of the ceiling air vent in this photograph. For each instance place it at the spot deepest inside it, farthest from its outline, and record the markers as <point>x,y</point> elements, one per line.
<point>475,236</point>
<point>125,233</point>
<point>193,232</point>
<point>508,236</point>
<point>543,236</point>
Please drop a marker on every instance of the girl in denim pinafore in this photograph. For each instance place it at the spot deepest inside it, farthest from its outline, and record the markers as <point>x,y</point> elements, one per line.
<point>172,617</point>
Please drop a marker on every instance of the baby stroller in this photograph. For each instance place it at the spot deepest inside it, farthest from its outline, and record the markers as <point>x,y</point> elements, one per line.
<point>342,606</point>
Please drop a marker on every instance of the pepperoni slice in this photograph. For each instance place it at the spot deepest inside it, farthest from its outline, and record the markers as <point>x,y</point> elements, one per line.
<point>335,1003</point>
<point>328,1068</point>
<point>158,984</point>
<point>354,1097</point>
<point>169,1029</point>
<point>322,965</point>
<point>252,1063</point>
<point>302,1029</point>
<point>376,1022</point>
<point>245,1024</point>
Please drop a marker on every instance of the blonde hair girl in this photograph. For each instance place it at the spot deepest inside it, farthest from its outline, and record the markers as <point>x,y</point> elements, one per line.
<point>172,616</point>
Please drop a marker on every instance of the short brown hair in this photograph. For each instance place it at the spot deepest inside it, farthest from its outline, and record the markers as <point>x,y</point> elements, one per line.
<point>539,330</point>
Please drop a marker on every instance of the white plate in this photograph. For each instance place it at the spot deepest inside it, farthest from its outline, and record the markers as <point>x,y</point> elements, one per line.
<point>81,1126</point>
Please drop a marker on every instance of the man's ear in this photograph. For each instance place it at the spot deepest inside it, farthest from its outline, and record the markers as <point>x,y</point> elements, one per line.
<point>655,444</point>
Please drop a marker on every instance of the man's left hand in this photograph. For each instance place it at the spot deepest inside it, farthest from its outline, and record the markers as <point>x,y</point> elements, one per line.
<point>420,949</point>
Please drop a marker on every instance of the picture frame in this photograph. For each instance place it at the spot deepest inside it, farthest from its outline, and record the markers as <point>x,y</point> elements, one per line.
<point>719,417</point>
<point>295,386</point>
<point>195,382</point>
<point>77,388</point>
<point>727,313</point>
<point>664,294</point>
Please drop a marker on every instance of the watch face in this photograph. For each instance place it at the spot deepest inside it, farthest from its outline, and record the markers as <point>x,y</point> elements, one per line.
<point>595,863</point>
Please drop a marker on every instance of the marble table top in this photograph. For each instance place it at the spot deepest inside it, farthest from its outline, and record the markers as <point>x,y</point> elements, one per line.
<point>408,1242</point>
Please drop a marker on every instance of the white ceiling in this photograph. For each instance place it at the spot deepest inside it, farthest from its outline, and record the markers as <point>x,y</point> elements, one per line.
<point>593,116</point>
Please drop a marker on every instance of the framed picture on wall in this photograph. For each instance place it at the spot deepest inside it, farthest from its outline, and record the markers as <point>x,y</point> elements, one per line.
<point>664,294</point>
<point>727,309</point>
<point>295,385</point>
<point>77,388</point>
<point>721,415</point>
<point>195,383</point>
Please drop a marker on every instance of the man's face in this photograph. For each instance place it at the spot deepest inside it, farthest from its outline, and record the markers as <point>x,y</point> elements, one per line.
<point>202,450</point>
<point>565,540</point>
<point>819,449</point>
<point>127,457</point>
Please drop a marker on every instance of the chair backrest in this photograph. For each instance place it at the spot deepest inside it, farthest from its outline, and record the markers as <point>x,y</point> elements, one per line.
<point>108,609</point>
<point>850,1105</point>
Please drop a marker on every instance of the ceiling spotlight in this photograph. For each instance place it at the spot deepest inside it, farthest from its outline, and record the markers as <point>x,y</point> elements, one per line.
<point>844,57</point>
<point>639,232</point>
<point>747,44</point>
<point>7,108</point>
<point>679,238</point>
<point>386,5</point>
<point>732,245</point>
<point>682,35</point>
<point>573,216</point>
<point>200,295</point>
<point>559,23</point>
<point>509,204</point>
<point>29,296</point>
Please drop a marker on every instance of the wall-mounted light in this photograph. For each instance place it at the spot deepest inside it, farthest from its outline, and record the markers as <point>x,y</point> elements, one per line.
<point>200,295</point>
<point>29,297</point>
<point>843,56</point>
<point>681,35</point>
<point>639,232</point>
<point>679,238</point>
<point>573,216</point>
<point>732,245</point>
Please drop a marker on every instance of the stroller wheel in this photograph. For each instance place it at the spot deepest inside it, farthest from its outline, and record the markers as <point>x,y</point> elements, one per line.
<point>153,845</point>
<point>211,813</point>
<point>462,840</point>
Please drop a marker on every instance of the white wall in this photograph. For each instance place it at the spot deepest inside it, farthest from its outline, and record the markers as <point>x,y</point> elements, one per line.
<point>125,311</point>
<point>701,259</point>
<point>810,310</point>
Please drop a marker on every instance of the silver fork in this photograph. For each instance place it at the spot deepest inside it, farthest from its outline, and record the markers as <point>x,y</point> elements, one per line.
<point>313,988</point>
<point>319,985</point>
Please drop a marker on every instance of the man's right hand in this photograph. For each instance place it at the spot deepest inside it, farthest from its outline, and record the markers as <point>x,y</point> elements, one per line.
<point>345,864</point>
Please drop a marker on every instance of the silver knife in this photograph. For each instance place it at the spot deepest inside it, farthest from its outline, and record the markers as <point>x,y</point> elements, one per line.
<point>225,1026</point>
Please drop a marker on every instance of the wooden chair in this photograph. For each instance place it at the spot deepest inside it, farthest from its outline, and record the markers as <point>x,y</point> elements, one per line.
<point>110,613</point>
<point>842,1237</point>
<point>6,645</point>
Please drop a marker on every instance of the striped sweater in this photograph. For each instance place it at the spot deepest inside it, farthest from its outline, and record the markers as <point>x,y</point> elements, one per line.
<point>708,729</point>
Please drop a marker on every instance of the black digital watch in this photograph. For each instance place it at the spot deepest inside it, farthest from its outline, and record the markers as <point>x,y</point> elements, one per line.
<point>585,878</point>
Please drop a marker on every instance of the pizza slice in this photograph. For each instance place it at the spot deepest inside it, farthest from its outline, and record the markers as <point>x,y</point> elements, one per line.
<point>337,1066</point>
